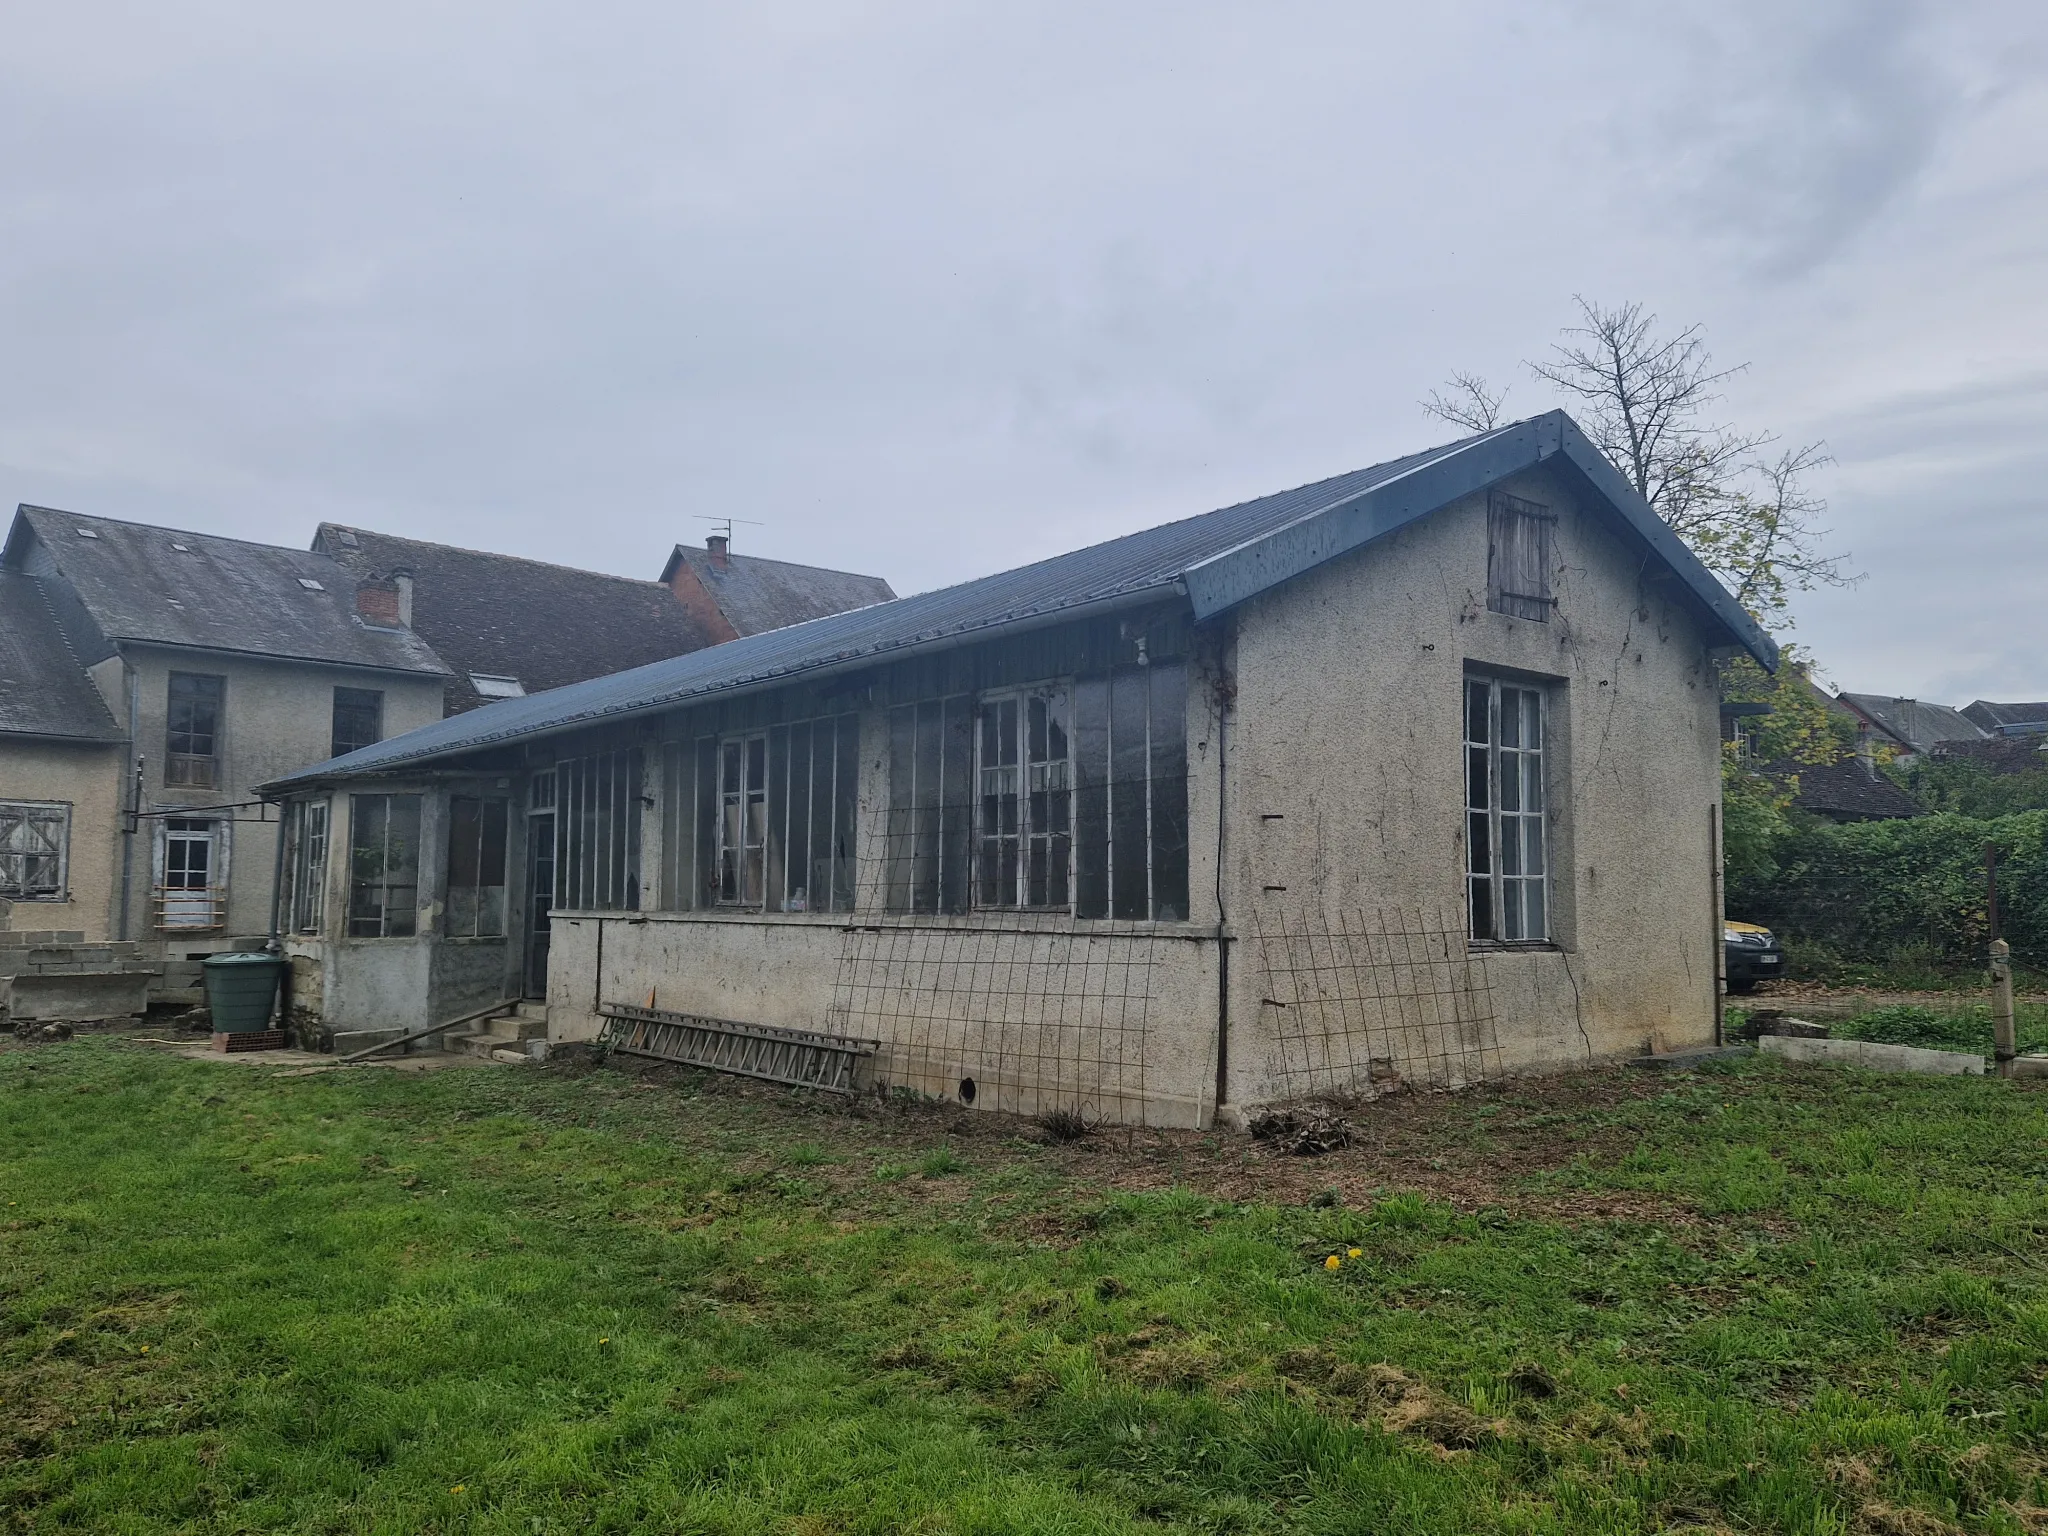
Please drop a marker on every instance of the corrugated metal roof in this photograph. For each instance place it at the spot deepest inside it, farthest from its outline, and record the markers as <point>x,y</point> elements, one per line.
<point>43,687</point>
<point>1233,551</point>
<point>160,586</point>
<point>756,594</point>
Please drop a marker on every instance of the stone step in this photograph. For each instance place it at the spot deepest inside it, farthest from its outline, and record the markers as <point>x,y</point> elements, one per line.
<point>511,1028</point>
<point>529,1009</point>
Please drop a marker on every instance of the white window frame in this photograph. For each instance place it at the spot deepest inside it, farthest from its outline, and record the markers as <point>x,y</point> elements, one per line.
<point>311,823</point>
<point>1038,793</point>
<point>24,814</point>
<point>742,829</point>
<point>1509,899</point>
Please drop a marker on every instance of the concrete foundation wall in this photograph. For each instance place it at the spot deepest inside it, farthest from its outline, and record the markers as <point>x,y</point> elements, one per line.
<point>1114,1020</point>
<point>1346,857</point>
<point>88,779</point>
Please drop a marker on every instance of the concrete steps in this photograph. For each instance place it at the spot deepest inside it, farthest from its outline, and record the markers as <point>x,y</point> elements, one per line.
<point>519,1033</point>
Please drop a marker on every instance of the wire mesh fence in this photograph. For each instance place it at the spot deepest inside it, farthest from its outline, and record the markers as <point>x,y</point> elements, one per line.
<point>1358,1002</point>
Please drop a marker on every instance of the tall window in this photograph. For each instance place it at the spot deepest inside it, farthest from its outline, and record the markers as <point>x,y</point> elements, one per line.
<point>358,719</point>
<point>1063,797</point>
<point>1506,852</point>
<point>743,820</point>
<point>1024,815</point>
<point>1518,557</point>
<point>35,841</point>
<point>192,745</point>
<point>597,831</point>
<point>476,866</point>
<point>306,866</point>
<point>383,866</point>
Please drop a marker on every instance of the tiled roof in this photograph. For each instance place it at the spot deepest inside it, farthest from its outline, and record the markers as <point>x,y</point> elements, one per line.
<point>1846,790</point>
<point>43,687</point>
<point>501,616</point>
<point>159,586</point>
<point>1215,560</point>
<point>756,594</point>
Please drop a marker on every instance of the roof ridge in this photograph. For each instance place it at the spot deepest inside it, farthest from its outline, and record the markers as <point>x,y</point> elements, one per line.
<point>183,533</point>
<point>795,565</point>
<point>487,554</point>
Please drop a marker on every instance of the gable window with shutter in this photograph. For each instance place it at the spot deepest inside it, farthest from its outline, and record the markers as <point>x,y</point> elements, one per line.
<point>1518,557</point>
<point>35,838</point>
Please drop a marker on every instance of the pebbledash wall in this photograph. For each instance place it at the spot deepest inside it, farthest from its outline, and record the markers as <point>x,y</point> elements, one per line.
<point>1324,740</point>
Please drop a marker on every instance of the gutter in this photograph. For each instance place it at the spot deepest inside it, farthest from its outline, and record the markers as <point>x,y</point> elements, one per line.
<point>133,787</point>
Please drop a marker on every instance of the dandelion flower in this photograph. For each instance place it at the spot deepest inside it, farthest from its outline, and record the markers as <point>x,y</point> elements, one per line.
<point>604,1341</point>
<point>1332,1262</point>
<point>145,1349</point>
<point>458,1488</point>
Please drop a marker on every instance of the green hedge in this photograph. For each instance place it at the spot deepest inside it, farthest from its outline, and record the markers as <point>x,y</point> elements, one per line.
<point>1872,889</point>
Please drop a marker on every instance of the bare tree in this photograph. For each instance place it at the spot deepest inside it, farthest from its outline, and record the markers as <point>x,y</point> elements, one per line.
<point>1648,401</point>
<point>1470,403</point>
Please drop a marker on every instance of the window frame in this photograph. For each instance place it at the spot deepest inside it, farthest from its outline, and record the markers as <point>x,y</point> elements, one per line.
<point>1042,799</point>
<point>311,823</point>
<point>359,885</point>
<point>61,889</point>
<point>734,862</point>
<point>475,922</point>
<point>1496,896</point>
<point>337,747</point>
<point>188,769</point>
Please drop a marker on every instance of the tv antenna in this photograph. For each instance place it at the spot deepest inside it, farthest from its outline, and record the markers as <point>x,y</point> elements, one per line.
<point>724,524</point>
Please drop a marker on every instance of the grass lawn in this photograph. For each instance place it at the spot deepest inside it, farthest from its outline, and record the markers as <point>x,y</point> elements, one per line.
<point>562,1299</point>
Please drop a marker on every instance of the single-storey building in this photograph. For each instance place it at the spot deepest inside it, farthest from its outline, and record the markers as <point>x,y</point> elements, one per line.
<point>1411,774</point>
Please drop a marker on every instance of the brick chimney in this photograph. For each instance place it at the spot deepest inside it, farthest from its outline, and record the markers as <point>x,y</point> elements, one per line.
<point>378,603</point>
<point>715,544</point>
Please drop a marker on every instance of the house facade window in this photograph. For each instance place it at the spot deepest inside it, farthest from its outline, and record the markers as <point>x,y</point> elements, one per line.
<point>192,893</point>
<point>1507,861</point>
<point>358,719</point>
<point>1518,557</point>
<point>35,849</point>
<point>477,827</point>
<point>193,726</point>
<point>1024,807</point>
<point>383,866</point>
<point>306,866</point>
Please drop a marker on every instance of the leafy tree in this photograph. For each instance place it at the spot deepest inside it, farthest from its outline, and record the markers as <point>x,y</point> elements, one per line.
<point>1647,400</point>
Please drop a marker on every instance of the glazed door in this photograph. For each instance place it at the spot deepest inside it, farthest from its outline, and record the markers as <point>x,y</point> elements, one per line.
<point>540,896</point>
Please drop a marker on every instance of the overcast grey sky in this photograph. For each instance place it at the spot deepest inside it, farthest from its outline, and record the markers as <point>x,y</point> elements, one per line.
<point>934,289</point>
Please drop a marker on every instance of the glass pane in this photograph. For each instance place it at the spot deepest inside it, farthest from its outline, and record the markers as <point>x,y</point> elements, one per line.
<point>1478,844</point>
<point>1475,778</point>
<point>1532,834</point>
<point>1537,919</point>
<point>1532,782</point>
<point>1510,718</point>
<point>1482,908</point>
<point>1475,713</point>
<point>1510,848</point>
<point>1510,782</point>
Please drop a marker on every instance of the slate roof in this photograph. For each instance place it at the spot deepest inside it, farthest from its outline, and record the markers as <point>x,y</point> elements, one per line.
<point>1913,724</point>
<point>2008,719</point>
<point>159,586</point>
<point>1999,754</point>
<point>1846,791</point>
<point>43,687</point>
<point>756,594</point>
<point>1215,560</point>
<point>499,615</point>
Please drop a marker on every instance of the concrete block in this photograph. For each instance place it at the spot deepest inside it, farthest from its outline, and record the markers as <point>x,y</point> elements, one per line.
<point>1873,1057</point>
<point>517,1058</point>
<point>1680,1061</point>
<point>78,995</point>
<point>2030,1066</point>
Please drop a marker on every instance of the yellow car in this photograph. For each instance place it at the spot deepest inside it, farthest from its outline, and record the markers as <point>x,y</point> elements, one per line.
<point>1754,955</point>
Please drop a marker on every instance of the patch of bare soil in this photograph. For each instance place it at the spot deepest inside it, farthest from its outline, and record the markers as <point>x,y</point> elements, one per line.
<point>1472,1149</point>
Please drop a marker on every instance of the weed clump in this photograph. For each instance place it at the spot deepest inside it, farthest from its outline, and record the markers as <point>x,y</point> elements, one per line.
<point>1303,1130</point>
<point>1065,1125</point>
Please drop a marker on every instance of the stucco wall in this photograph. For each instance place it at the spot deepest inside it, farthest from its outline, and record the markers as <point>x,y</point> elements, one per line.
<point>1110,1019</point>
<point>279,717</point>
<point>88,779</point>
<point>1347,792</point>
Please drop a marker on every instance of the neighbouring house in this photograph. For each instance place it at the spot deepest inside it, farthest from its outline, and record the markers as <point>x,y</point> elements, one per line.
<point>508,626</point>
<point>735,595</point>
<point>2008,719</point>
<point>1909,726</point>
<point>1407,775</point>
<point>62,760</point>
<point>221,664</point>
<point>1852,788</point>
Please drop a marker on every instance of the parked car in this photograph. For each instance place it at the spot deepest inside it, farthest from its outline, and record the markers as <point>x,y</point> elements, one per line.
<point>1754,955</point>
